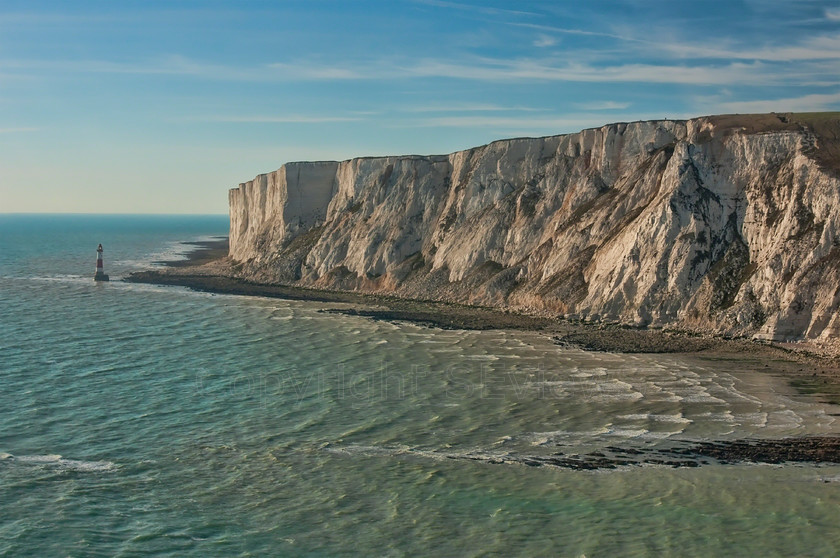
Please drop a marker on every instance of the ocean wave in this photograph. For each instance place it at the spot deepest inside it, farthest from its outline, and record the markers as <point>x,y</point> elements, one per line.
<point>59,278</point>
<point>784,420</point>
<point>58,462</point>
<point>627,432</point>
<point>565,436</point>
<point>675,418</point>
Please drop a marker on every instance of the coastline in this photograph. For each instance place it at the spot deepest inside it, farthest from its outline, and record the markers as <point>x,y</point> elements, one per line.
<point>203,252</point>
<point>208,269</point>
<point>806,368</point>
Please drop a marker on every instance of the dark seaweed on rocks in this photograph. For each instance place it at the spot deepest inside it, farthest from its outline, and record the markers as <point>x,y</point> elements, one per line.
<point>814,449</point>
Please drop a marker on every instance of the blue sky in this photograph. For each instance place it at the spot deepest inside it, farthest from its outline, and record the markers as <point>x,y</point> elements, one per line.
<point>161,107</point>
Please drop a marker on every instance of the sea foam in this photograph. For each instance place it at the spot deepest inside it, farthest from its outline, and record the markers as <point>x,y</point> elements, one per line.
<point>58,462</point>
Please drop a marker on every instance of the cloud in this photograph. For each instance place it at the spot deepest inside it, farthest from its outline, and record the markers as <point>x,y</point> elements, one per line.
<point>476,9</point>
<point>498,122</point>
<point>572,31</point>
<point>314,72</point>
<point>806,103</point>
<point>819,47</point>
<point>602,105</point>
<point>168,65</point>
<point>472,108</point>
<point>177,65</point>
<point>528,126</point>
<point>547,70</point>
<point>823,47</point>
<point>283,119</point>
<point>740,72</point>
<point>817,63</point>
<point>543,41</point>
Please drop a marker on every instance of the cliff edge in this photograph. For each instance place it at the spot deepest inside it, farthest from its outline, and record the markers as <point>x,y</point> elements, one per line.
<point>726,224</point>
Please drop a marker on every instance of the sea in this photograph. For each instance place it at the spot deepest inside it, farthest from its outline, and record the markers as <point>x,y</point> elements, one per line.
<point>143,420</point>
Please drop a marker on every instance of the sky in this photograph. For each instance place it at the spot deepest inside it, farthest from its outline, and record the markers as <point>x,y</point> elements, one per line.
<point>161,107</point>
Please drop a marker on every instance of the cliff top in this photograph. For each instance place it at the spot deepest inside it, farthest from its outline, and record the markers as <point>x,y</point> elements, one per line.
<point>825,126</point>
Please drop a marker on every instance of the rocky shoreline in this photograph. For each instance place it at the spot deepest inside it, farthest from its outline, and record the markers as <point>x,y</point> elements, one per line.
<point>806,449</point>
<point>809,369</point>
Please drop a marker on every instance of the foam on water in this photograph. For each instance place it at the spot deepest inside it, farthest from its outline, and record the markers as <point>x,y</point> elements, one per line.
<point>559,437</point>
<point>678,418</point>
<point>58,462</point>
<point>172,251</point>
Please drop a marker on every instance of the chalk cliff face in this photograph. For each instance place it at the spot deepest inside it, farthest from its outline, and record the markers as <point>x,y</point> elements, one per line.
<point>728,224</point>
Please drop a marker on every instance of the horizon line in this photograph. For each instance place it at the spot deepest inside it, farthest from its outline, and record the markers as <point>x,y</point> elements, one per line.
<point>115,213</point>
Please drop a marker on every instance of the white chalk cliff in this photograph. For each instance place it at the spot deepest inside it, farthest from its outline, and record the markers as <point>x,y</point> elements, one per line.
<point>728,224</point>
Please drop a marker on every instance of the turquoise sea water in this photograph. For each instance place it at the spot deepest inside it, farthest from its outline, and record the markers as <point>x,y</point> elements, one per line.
<point>141,420</point>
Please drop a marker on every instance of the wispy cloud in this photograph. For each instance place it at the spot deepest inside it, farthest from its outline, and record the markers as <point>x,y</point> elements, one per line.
<point>655,45</point>
<point>573,31</point>
<point>639,60</point>
<point>805,103</point>
<point>464,107</point>
<point>474,9</point>
<point>314,72</point>
<point>530,126</point>
<point>497,122</point>
<point>543,41</point>
<point>168,65</point>
<point>177,65</point>
<point>547,70</point>
<point>825,72</point>
<point>279,119</point>
<point>602,105</point>
<point>823,47</point>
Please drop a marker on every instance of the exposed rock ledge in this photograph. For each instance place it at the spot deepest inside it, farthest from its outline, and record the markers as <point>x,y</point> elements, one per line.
<point>724,224</point>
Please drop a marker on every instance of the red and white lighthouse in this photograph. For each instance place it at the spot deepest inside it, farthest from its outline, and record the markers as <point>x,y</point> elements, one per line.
<point>100,269</point>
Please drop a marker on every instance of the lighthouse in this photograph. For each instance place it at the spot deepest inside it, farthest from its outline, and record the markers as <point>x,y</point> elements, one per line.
<point>100,270</point>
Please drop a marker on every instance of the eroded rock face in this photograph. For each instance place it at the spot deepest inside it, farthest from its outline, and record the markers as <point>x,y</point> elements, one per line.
<point>728,224</point>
